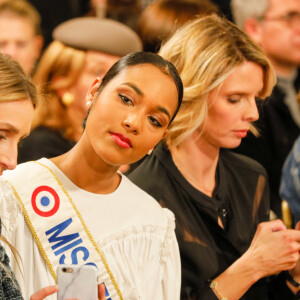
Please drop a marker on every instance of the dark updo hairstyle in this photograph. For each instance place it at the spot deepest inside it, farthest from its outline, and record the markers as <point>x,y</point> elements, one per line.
<point>138,58</point>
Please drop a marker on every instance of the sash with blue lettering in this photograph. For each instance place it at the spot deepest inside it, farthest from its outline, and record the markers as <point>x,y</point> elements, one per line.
<point>57,226</point>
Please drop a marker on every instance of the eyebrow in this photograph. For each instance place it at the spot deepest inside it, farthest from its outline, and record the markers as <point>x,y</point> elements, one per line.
<point>239,93</point>
<point>9,127</point>
<point>163,110</point>
<point>134,87</point>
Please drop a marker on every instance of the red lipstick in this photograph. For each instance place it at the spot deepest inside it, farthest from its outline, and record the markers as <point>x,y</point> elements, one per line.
<point>121,140</point>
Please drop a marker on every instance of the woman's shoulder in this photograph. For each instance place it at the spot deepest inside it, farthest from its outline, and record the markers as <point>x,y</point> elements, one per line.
<point>144,229</point>
<point>145,204</point>
<point>139,195</point>
<point>146,222</point>
<point>24,176</point>
<point>242,162</point>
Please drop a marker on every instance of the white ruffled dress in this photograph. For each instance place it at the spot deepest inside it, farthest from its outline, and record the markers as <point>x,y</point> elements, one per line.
<point>134,233</point>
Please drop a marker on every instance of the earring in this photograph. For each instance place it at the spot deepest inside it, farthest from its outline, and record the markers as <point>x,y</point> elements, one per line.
<point>67,99</point>
<point>150,151</point>
<point>88,103</point>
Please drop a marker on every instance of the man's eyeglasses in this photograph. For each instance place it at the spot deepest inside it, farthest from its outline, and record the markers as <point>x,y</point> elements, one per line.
<point>292,18</point>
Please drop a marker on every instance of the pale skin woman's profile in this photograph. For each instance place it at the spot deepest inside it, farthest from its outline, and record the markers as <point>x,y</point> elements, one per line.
<point>229,248</point>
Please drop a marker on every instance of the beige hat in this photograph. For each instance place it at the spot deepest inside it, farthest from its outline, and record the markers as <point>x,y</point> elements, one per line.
<point>103,35</point>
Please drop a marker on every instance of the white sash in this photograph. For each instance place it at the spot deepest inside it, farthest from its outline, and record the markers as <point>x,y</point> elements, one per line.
<point>57,226</point>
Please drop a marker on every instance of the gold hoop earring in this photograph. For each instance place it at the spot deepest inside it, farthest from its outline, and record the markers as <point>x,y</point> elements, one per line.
<point>67,99</point>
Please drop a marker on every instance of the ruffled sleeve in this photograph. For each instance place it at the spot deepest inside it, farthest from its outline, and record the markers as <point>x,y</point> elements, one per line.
<point>145,260</point>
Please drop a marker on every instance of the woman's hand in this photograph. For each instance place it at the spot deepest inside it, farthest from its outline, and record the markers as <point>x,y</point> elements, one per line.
<point>101,292</point>
<point>49,290</point>
<point>43,293</point>
<point>274,248</point>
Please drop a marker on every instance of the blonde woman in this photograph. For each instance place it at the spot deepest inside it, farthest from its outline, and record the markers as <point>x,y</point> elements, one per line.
<point>17,101</point>
<point>220,199</point>
<point>18,98</point>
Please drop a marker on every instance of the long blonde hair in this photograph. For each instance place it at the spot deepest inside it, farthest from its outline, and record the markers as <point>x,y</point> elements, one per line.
<point>14,86</point>
<point>65,64</point>
<point>205,52</point>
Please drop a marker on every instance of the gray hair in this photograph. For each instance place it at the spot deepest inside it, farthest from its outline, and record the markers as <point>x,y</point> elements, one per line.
<point>244,9</point>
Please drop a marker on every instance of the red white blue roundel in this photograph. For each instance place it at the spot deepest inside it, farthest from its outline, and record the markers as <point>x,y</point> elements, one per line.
<point>45,201</point>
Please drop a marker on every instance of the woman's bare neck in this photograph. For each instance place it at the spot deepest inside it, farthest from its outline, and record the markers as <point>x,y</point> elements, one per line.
<point>197,162</point>
<point>87,171</point>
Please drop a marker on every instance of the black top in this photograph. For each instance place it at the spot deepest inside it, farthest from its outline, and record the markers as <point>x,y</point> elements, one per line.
<point>43,142</point>
<point>9,287</point>
<point>278,132</point>
<point>240,199</point>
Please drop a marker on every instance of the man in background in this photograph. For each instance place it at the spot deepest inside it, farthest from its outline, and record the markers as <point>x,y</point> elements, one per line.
<point>20,33</point>
<point>275,26</point>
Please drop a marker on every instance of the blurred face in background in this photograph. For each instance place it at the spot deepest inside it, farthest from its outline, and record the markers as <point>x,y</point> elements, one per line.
<point>279,34</point>
<point>96,65</point>
<point>18,40</point>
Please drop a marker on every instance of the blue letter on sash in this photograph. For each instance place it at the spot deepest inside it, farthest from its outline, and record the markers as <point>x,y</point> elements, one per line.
<point>61,240</point>
<point>85,252</point>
